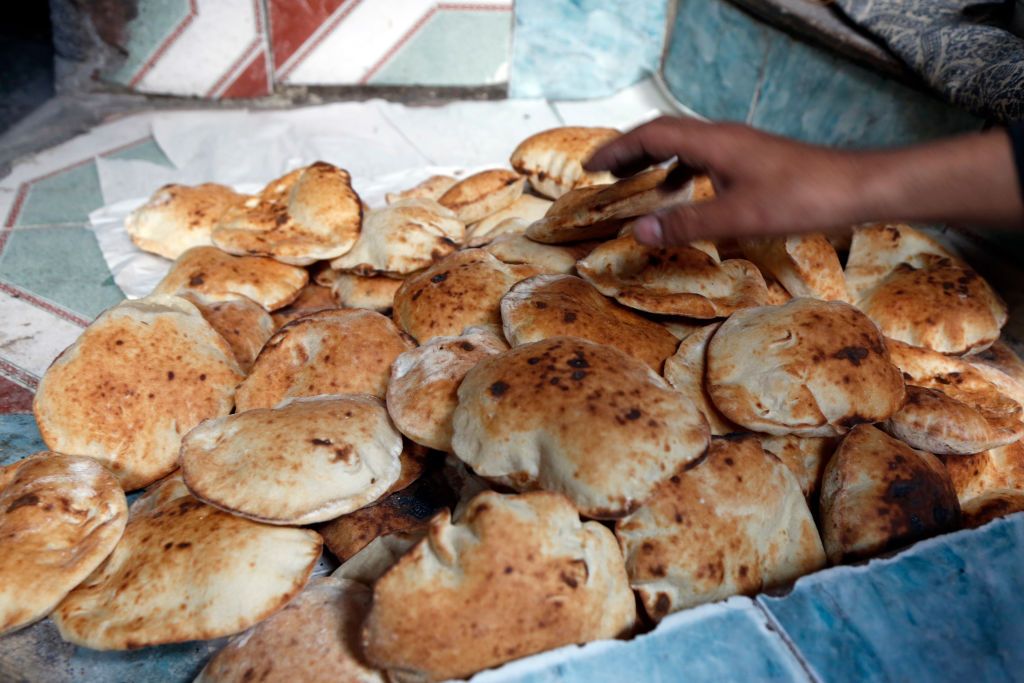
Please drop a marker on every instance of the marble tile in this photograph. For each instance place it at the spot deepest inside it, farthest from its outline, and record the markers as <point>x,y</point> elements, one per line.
<point>209,48</point>
<point>947,609</point>
<point>714,57</point>
<point>811,95</point>
<point>574,49</point>
<point>391,42</point>
<point>728,641</point>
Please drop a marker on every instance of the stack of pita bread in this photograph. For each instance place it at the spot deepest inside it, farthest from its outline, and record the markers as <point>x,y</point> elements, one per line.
<point>552,419</point>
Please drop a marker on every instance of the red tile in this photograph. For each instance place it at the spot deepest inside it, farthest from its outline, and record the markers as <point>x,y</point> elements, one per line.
<point>14,398</point>
<point>252,81</point>
<point>292,23</point>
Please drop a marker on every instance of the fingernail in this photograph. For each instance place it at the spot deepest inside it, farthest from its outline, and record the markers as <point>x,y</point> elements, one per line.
<point>647,230</point>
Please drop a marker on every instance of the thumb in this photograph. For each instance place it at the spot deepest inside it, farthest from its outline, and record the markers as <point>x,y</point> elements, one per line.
<point>680,225</point>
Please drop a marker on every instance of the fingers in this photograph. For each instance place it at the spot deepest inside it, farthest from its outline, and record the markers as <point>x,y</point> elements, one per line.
<point>685,223</point>
<point>691,140</point>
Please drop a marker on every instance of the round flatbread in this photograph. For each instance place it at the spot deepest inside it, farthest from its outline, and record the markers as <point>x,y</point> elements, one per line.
<point>186,571</point>
<point>457,602</point>
<point>431,188</point>
<point>311,214</point>
<point>806,265</point>
<point>566,306</point>
<point>178,217</point>
<point>686,281</point>
<point>243,323</point>
<point>218,276</point>
<point>60,516</point>
<point>312,298</point>
<point>315,639</point>
<point>551,258</point>
<point>403,237</point>
<point>809,367</point>
<point>374,292</point>
<point>514,218</point>
<point>992,505</point>
<point>685,371</point>
<point>879,494</point>
<point>422,394</point>
<point>553,159</point>
<point>306,461</point>
<point>991,470</point>
<point>579,418</point>
<point>805,456</point>
<point>483,194</point>
<point>736,523</point>
<point>341,351</point>
<point>138,379</point>
<point>460,291</point>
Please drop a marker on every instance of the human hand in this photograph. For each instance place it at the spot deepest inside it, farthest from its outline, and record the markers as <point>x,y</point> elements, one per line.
<point>768,185</point>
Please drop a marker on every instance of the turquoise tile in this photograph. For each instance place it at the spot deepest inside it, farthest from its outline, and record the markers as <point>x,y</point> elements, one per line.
<point>574,49</point>
<point>728,641</point>
<point>811,95</point>
<point>66,197</point>
<point>714,57</point>
<point>154,22</point>
<point>948,609</point>
<point>146,150</point>
<point>462,48</point>
<point>61,264</point>
<point>19,437</point>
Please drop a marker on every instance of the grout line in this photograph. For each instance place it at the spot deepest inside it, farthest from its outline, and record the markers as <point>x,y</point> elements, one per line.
<point>774,625</point>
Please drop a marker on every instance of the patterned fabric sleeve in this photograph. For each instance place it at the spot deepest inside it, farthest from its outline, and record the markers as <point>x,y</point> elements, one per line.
<point>963,49</point>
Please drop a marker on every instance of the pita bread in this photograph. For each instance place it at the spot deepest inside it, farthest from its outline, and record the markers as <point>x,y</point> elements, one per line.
<point>222,277</point>
<point>311,214</point>
<point>681,328</point>
<point>996,396</point>
<point>421,395</point>
<point>374,292</point>
<point>311,298</point>
<point>458,601</point>
<point>806,265</point>
<point>930,420</point>
<point>685,371</point>
<point>514,218</point>
<point>341,351</point>
<point>414,461</point>
<point>243,323</point>
<point>178,574</point>
<point>431,188</point>
<point>999,468</point>
<point>805,456</point>
<point>178,217</point>
<point>483,194</point>
<point>999,357</point>
<point>379,555</point>
<point>735,523</point>
<point>60,516</point>
<point>879,494</point>
<point>404,237</point>
<point>315,639</point>
<point>919,293</point>
<point>407,512</point>
<point>553,159</point>
<point>945,307</point>
<point>460,291</point>
<point>877,250</point>
<point>598,211</point>
<point>677,281</point>
<point>552,258</point>
<point>992,505</point>
<point>810,367</point>
<point>578,418</point>
<point>566,306</point>
<point>308,460</point>
<point>138,378</point>
<point>777,294</point>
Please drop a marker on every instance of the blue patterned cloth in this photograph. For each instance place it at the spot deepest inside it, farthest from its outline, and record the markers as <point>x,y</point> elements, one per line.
<point>963,49</point>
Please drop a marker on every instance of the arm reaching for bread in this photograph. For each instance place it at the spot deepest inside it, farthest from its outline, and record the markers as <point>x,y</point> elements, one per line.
<point>768,185</point>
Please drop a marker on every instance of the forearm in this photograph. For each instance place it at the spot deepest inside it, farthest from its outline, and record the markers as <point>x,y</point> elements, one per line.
<point>969,180</point>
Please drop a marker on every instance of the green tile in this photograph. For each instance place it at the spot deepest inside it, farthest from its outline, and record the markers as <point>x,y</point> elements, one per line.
<point>66,197</point>
<point>147,150</point>
<point>155,21</point>
<point>62,264</point>
<point>453,48</point>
